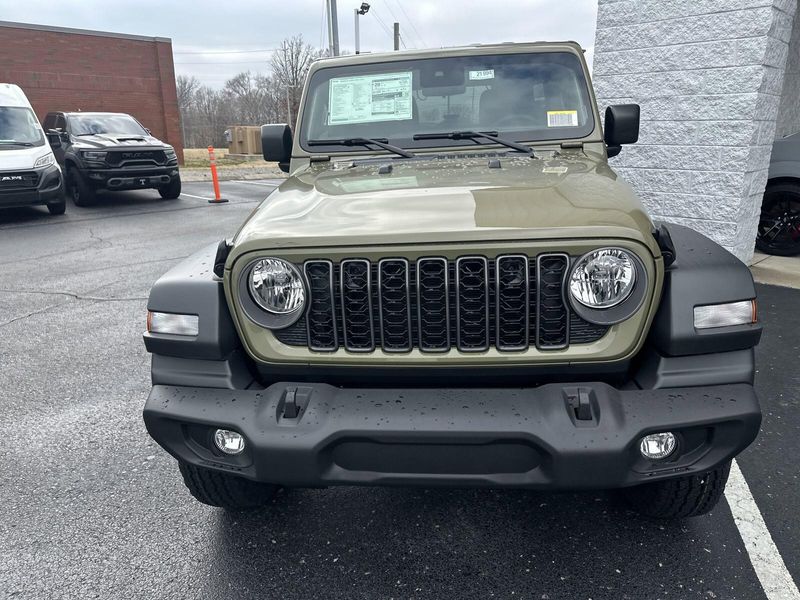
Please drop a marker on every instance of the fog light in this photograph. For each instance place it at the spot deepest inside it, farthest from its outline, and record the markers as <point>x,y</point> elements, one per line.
<point>229,442</point>
<point>658,445</point>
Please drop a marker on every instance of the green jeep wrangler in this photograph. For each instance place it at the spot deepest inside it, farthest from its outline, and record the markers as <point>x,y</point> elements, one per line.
<point>454,288</point>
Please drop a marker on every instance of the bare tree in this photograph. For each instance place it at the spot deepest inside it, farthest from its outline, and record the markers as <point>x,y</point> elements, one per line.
<point>290,63</point>
<point>246,98</point>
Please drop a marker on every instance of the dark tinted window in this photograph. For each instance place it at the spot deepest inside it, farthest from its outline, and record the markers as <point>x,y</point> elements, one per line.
<point>90,124</point>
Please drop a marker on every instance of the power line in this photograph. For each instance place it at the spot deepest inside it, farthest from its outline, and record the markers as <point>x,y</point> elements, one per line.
<point>411,22</point>
<point>230,51</point>
<point>239,62</point>
<point>381,23</point>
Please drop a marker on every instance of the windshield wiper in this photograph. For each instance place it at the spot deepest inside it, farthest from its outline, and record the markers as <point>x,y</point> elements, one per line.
<point>360,141</point>
<point>13,143</point>
<point>471,135</point>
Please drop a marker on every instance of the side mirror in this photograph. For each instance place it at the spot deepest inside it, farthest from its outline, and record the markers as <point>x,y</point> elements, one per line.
<point>622,127</point>
<point>276,144</point>
<point>147,130</point>
<point>54,138</point>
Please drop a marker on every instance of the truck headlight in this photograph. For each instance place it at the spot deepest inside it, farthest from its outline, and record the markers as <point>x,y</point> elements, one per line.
<point>277,286</point>
<point>44,161</point>
<point>603,278</point>
<point>93,155</point>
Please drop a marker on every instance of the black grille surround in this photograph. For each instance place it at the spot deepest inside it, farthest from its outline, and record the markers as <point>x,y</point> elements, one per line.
<point>512,303</point>
<point>136,158</point>
<point>18,180</point>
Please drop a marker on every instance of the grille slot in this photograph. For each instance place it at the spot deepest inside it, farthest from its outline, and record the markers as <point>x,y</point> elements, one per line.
<point>356,298</point>
<point>433,306</point>
<point>472,304</point>
<point>321,316</point>
<point>552,323</point>
<point>394,304</point>
<point>512,303</point>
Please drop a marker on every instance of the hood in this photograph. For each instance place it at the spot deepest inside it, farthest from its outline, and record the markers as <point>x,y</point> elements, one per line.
<point>21,159</point>
<point>447,199</point>
<point>109,140</point>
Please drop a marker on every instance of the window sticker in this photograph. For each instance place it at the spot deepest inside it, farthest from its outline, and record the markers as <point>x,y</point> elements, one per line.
<point>370,98</point>
<point>479,75</point>
<point>562,118</point>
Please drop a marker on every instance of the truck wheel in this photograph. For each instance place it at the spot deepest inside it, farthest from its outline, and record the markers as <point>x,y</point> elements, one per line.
<point>59,207</point>
<point>81,192</point>
<point>225,491</point>
<point>172,190</point>
<point>779,225</point>
<point>681,497</point>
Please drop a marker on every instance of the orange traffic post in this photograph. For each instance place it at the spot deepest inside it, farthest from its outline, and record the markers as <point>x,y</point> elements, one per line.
<point>214,177</point>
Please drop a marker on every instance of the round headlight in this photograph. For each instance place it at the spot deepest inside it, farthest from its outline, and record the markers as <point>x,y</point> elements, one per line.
<point>277,286</point>
<point>603,278</point>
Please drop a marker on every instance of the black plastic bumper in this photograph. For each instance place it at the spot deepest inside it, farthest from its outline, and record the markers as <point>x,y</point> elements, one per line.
<point>49,190</point>
<point>132,179</point>
<point>530,438</point>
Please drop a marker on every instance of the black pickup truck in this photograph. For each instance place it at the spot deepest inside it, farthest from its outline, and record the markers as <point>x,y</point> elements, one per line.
<point>110,151</point>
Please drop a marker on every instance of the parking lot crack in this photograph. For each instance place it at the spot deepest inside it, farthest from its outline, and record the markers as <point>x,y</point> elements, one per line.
<point>76,296</point>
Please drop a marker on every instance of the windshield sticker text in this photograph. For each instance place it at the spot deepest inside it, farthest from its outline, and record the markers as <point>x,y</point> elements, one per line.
<point>370,98</point>
<point>479,75</point>
<point>562,118</point>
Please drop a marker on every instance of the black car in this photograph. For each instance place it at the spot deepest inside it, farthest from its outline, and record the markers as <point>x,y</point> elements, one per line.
<point>110,151</point>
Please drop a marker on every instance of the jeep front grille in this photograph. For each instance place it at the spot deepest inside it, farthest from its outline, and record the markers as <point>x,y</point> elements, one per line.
<point>433,304</point>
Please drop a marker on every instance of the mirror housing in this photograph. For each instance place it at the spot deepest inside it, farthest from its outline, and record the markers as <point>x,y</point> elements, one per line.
<point>276,144</point>
<point>621,127</point>
<point>54,138</point>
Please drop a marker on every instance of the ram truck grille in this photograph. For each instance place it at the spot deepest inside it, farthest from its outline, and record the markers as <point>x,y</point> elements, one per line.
<point>510,303</point>
<point>20,180</point>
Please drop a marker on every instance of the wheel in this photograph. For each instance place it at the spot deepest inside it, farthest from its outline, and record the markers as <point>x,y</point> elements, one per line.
<point>81,192</point>
<point>225,491</point>
<point>59,207</point>
<point>681,497</point>
<point>172,190</point>
<point>779,226</point>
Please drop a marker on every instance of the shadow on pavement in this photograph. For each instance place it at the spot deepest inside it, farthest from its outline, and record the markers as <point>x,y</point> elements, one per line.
<point>412,543</point>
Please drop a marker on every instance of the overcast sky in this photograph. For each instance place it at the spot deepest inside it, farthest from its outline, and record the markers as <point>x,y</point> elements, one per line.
<point>207,34</point>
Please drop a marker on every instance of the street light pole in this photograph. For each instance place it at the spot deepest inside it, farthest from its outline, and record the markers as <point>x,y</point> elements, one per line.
<point>362,10</point>
<point>358,40</point>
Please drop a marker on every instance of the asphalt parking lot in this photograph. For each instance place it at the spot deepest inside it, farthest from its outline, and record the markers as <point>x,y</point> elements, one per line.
<point>92,508</point>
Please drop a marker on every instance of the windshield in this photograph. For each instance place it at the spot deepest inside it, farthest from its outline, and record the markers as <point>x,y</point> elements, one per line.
<point>98,124</point>
<point>19,127</point>
<point>521,97</point>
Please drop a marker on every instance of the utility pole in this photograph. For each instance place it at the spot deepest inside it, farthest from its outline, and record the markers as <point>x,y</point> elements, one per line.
<point>333,27</point>
<point>397,36</point>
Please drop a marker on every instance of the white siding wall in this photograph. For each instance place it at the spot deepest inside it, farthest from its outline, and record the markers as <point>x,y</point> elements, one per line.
<point>708,75</point>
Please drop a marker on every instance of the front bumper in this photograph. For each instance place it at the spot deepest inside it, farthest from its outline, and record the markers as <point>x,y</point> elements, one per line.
<point>521,437</point>
<point>132,179</point>
<point>49,190</point>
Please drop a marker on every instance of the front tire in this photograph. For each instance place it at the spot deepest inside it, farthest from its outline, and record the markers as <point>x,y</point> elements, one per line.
<point>172,190</point>
<point>225,491</point>
<point>681,497</point>
<point>81,192</point>
<point>59,207</point>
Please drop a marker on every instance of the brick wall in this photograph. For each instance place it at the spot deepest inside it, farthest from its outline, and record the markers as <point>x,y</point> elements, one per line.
<point>91,71</point>
<point>708,75</point>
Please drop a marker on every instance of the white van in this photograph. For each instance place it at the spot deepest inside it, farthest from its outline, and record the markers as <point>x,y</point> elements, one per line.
<point>29,173</point>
